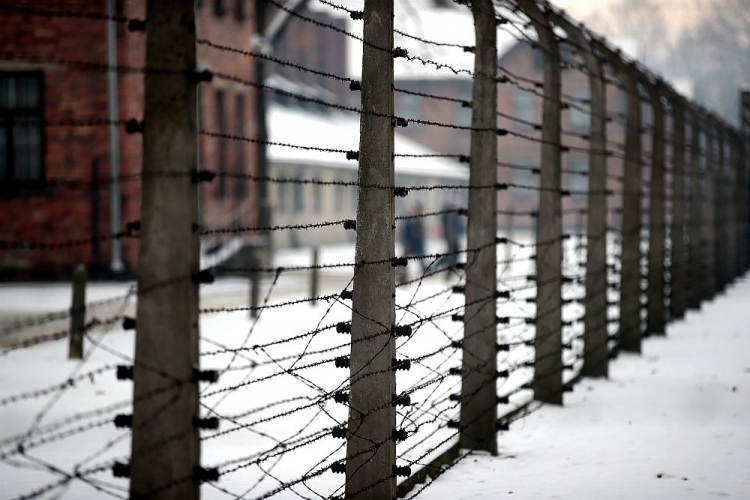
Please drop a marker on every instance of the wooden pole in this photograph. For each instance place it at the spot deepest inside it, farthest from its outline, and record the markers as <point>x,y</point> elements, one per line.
<point>630,287</point>
<point>679,272</point>
<point>695,247</point>
<point>656,322</point>
<point>479,367</point>
<point>370,451</point>
<point>595,334</point>
<point>77,313</point>
<point>548,367</point>
<point>166,346</point>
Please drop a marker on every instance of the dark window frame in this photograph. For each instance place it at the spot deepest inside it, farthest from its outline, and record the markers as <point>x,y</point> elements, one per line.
<point>221,145</point>
<point>10,115</point>
<point>219,9</point>
<point>239,11</point>
<point>240,187</point>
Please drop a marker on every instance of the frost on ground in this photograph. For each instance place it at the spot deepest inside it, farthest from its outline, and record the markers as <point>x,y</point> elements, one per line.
<point>671,423</point>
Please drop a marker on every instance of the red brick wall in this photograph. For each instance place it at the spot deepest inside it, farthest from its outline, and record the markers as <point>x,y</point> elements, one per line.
<point>72,152</point>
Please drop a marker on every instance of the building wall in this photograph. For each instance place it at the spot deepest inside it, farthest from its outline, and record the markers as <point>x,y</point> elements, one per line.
<point>39,213</point>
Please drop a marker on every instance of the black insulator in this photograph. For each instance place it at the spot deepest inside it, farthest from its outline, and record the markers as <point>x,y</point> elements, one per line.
<point>459,289</point>
<point>502,79</point>
<point>454,371</point>
<point>537,127</point>
<point>352,155</point>
<point>454,424</point>
<point>464,159</point>
<point>339,432</point>
<point>356,15</point>
<point>504,294</point>
<point>124,372</point>
<point>502,347</point>
<point>209,423</point>
<point>202,475</point>
<point>539,85</point>
<point>503,400</point>
<point>564,192</point>
<point>457,344</point>
<point>402,470</point>
<point>530,300</point>
<point>203,176</point>
<point>341,397</point>
<point>569,367</point>
<point>502,132</point>
<point>400,52</point>
<point>338,467</point>
<point>402,330</point>
<point>402,400</point>
<point>503,426</point>
<point>197,77</point>
<point>400,192</point>
<point>203,277</point>
<point>137,25</point>
<point>612,355</point>
<point>530,321</point>
<point>122,421</point>
<point>341,362</point>
<point>347,294</point>
<point>134,126</point>
<point>399,261</point>
<point>454,397</point>
<point>343,327</point>
<point>128,323</point>
<point>469,49</point>
<point>120,469</point>
<point>401,364</point>
<point>567,388</point>
<point>399,434</point>
<point>211,376</point>
<point>132,226</point>
<point>503,373</point>
<point>502,320</point>
<point>354,85</point>
<point>400,122</point>
<point>531,277</point>
<point>460,266</point>
<point>457,317</point>
<point>501,186</point>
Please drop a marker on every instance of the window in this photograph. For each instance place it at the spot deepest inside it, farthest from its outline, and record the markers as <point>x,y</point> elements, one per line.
<point>239,10</point>
<point>20,127</point>
<point>281,196</point>
<point>463,115</point>
<point>579,119</point>
<point>578,182</point>
<point>317,198</point>
<point>221,145</point>
<point>239,152</point>
<point>218,8</point>
<point>524,176</point>
<point>524,107</point>
<point>340,196</point>
<point>299,201</point>
<point>407,106</point>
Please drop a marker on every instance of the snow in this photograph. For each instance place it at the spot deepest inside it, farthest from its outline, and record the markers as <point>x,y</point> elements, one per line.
<point>670,423</point>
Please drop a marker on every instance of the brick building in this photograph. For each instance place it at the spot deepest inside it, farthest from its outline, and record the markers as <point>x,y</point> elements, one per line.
<point>43,93</point>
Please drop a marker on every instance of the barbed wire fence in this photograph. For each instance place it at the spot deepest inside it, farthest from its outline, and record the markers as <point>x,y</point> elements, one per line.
<point>395,379</point>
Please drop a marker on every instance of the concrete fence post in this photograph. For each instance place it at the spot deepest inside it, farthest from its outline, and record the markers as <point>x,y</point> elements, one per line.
<point>479,365</point>
<point>730,181</point>
<point>722,239</point>
<point>708,229</point>
<point>744,184</point>
<point>548,366</point>
<point>595,322</point>
<point>630,286</point>
<point>166,346</point>
<point>695,246</point>
<point>679,273</point>
<point>314,274</point>
<point>656,319</point>
<point>370,449</point>
<point>77,313</point>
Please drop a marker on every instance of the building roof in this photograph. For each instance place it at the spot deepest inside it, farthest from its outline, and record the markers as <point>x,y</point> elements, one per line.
<point>338,130</point>
<point>452,24</point>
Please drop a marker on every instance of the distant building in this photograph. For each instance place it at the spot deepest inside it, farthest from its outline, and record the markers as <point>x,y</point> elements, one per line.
<point>39,86</point>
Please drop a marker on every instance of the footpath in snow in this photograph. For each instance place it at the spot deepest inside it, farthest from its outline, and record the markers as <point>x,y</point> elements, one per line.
<point>671,423</point>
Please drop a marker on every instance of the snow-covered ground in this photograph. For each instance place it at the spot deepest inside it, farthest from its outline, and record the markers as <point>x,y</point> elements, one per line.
<point>671,423</point>
<point>267,393</point>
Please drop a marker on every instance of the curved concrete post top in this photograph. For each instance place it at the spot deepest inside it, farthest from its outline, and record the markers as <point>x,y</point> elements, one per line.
<point>542,26</point>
